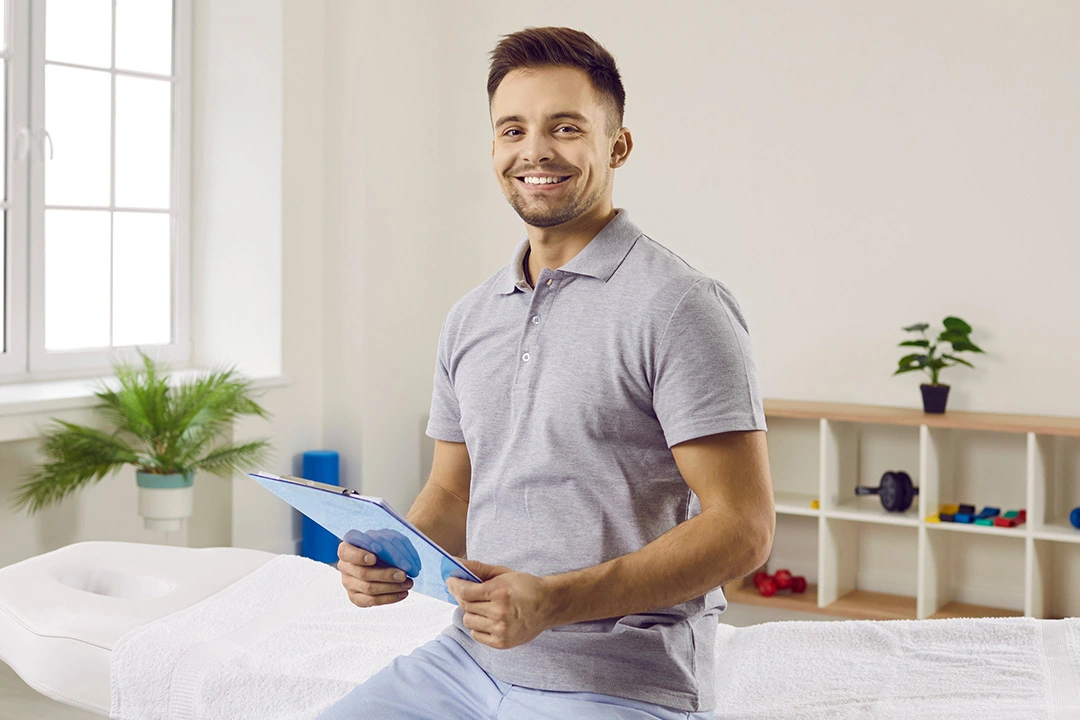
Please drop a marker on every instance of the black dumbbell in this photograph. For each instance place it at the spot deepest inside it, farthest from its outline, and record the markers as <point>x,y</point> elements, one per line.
<point>896,491</point>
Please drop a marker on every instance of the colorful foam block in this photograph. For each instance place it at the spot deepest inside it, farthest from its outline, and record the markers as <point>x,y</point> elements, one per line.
<point>964,518</point>
<point>933,518</point>
<point>951,509</point>
<point>984,521</point>
<point>1011,514</point>
<point>966,510</point>
<point>1005,522</point>
<point>946,517</point>
<point>988,512</point>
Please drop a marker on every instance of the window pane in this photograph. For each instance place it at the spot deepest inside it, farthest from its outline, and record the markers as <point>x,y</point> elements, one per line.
<point>76,279</point>
<point>77,116</point>
<point>144,35</point>
<point>79,31</point>
<point>143,142</point>
<point>142,279</point>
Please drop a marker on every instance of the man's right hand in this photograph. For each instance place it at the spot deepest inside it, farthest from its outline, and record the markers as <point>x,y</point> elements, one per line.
<point>367,584</point>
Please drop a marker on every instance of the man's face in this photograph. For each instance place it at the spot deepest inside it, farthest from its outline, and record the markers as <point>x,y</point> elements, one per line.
<point>552,148</point>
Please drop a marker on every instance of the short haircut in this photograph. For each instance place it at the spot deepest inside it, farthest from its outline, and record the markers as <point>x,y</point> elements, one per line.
<point>553,46</point>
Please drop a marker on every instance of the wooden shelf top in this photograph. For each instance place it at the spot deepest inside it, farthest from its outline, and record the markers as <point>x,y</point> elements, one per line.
<point>956,419</point>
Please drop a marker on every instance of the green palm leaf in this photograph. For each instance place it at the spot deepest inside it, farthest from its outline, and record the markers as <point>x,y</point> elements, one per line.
<point>160,429</point>
<point>77,456</point>
<point>232,457</point>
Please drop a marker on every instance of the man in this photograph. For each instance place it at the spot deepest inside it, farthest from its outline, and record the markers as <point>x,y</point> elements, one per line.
<point>599,425</point>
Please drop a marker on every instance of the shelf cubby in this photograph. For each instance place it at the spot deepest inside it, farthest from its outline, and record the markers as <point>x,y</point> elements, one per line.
<point>868,565</point>
<point>860,454</point>
<point>875,564</point>
<point>969,574</point>
<point>794,464</point>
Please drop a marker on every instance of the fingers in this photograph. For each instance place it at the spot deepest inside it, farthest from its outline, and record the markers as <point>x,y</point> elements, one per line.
<point>356,556</point>
<point>369,586</point>
<point>367,601</point>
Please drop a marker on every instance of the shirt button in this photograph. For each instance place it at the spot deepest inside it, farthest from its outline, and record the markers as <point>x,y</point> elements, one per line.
<point>525,357</point>
<point>536,319</point>
<point>549,281</point>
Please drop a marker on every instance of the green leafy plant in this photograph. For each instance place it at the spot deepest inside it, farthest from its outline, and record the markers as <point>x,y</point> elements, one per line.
<point>956,333</point>
<point>159,429</point>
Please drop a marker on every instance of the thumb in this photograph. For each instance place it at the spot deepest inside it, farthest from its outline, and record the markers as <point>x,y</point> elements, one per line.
<point>483,570</point>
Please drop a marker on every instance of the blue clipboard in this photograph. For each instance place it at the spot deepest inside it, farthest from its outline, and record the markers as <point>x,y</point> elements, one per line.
<point>370,523</point>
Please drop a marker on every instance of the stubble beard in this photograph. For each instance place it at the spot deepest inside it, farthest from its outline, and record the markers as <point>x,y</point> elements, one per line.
<point>550,216</point>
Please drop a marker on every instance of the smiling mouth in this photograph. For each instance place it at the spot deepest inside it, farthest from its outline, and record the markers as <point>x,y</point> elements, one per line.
<point>543,183</point>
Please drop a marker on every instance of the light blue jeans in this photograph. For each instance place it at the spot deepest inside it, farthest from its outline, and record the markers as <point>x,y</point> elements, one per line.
<point>440,681</point>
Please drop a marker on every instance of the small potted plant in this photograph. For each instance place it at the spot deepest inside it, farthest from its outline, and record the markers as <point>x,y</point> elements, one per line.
<point>956,333</point>
<point>166,432</point>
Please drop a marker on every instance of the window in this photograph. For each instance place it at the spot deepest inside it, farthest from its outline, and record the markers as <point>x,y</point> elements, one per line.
<point>96,197</point>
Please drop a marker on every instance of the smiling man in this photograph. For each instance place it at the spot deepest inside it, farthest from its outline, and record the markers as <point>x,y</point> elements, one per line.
<point>600,440</point>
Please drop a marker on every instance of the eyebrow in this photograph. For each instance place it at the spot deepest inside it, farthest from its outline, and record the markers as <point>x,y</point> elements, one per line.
<point>564,115</point>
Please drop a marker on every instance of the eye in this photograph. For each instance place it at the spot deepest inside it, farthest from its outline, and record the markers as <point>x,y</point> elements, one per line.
<point>509,132</point>
<point>570,128</point>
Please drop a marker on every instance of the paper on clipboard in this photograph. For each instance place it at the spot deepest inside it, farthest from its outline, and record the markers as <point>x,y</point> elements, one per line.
<point>370,523</point>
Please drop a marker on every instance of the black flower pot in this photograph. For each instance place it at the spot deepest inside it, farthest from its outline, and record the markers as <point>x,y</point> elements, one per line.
<point>934,397</point>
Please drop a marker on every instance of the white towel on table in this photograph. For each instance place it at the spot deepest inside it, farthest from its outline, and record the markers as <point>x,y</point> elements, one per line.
<point>1015,668</point>
<point>285,643</point>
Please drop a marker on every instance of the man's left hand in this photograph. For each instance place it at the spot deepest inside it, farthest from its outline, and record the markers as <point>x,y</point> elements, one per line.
<point>507,609</point>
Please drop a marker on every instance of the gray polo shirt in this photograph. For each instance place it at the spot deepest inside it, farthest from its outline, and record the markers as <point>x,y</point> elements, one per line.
<point>568,398</point>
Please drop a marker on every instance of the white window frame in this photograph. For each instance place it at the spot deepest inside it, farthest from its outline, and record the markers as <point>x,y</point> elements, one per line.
<point>29,360</point>
<point>13,359</point>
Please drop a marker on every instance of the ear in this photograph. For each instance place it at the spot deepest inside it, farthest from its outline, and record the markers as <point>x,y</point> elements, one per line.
<point>621,147</point>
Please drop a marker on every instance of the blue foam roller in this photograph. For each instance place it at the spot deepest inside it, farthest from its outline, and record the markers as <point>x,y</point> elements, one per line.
<point>989,512</point>
<point>1074,517</point>
<point>965,518</point>
<point>317,542</point>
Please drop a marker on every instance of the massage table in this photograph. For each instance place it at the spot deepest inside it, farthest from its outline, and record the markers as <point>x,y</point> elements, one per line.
<point>142,632</point>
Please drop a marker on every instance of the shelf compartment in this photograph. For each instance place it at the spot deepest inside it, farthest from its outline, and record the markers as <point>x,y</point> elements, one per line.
<point>971,571</point>
<point>869,565</point>
<point>981,469</point>
<point>794,463</point>
<point>854,454</point>
<point>1055,581</point>
<point>1054,465</point>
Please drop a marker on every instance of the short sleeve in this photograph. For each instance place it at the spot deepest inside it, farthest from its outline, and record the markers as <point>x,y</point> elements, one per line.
<point>705,381</point>
<point>444,420</point>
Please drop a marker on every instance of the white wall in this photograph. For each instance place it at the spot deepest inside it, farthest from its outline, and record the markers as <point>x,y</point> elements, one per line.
<point>847,169</point>
<point>387,237</point>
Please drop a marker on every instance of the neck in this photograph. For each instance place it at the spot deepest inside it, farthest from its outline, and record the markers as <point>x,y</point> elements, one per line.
<point>553,247</point>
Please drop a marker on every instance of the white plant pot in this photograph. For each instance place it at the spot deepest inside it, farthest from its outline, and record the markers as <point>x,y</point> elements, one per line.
<point>165,508</point>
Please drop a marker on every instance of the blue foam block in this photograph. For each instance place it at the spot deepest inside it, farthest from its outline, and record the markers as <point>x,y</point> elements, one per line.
<point>317,542</point>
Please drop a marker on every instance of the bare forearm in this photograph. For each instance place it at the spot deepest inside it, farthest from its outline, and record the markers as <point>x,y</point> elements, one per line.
<point>696,556</point>
<point>441,516</point>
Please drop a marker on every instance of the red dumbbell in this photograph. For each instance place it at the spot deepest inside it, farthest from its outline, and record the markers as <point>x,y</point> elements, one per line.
<point>798,584</point>
<point>766,586</point>
<point>783,579</point>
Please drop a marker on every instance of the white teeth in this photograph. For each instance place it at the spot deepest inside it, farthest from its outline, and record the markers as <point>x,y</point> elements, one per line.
<point>541,180</point>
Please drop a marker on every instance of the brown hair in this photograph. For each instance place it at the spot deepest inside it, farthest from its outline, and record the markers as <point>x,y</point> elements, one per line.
<point>539,47</point>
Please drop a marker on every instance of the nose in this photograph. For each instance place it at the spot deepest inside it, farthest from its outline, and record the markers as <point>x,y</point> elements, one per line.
<point>537,149</point>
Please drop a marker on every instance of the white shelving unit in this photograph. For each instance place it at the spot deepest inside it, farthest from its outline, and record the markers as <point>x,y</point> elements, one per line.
<point>862,561</point>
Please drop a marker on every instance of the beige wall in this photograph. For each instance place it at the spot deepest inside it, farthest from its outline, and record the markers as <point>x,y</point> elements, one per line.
<point>846,168</point>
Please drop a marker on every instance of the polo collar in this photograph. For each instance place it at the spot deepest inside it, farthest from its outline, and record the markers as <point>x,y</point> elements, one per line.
<point>599,259</point>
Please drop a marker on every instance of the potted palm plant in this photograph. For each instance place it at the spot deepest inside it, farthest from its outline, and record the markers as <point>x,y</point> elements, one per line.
<point>956,333</point>
<point>167,432</point>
